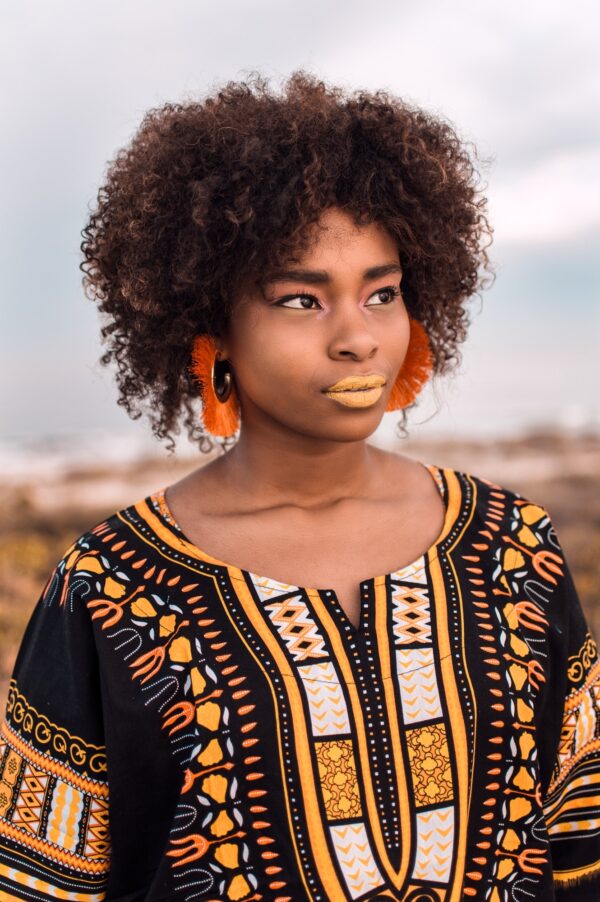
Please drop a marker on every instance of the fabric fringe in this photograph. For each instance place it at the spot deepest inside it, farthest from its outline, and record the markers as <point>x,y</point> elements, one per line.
<point>219,418</point>
<point>415,371</point>
<point>577,877</point>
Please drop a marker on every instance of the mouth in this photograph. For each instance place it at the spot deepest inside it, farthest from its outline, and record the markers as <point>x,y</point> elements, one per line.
<point>357,391</point>
<point>357,383</point>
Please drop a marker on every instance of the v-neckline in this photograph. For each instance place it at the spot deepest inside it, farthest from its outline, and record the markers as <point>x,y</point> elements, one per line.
<point>240,574</point>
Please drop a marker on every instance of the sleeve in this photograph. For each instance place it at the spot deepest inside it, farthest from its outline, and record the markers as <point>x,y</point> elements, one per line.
<point>570,737</point>
<point>54,824</point>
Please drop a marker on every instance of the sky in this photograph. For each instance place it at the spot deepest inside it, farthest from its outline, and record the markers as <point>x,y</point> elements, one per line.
<point>521,80</point>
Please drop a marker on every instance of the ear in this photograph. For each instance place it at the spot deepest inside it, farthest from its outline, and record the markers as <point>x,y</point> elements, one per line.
<point>221,340</point>
<point>220,344</point>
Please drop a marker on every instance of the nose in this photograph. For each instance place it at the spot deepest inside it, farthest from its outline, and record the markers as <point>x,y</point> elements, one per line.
<point>351,333</point>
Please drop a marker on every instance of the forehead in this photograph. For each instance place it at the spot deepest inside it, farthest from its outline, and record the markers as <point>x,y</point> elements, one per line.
<point>336,230</point>
<point>335,246</point>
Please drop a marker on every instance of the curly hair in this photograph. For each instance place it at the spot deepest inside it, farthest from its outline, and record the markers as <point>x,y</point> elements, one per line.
<point>209,194</point>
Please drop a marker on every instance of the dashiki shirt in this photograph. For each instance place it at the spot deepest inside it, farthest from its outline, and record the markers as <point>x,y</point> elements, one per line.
<point>179,728</point>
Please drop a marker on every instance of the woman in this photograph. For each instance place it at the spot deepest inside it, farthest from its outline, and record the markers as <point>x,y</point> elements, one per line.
<point>215,697</point>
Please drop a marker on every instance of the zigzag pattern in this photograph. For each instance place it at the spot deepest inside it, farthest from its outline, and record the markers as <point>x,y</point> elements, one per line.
<point>356,859</point>
<point>418,684</point>
<point>412,573</point>
<point>435,842</point>
<point>327,706</point>
<point>297,629</point>
<point>28,806</point>
<point>270,588</point>
<point>98,832</point>
<point>411,615</point>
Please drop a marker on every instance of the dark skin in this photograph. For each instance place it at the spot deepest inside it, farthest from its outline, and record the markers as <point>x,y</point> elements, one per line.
<point>303,497</point>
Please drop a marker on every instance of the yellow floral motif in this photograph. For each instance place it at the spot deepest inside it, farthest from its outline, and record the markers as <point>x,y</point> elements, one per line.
<point>519,647</point>
<point>339,785</point>
<point>142,607</point>
<point>527,537</point>
<point>518,674</point>
<point>212,754</point>
<point>238,888</point>
<point>505,868</point>
<point>198,681</point>
<point>71,556</point>
<point>222,824</point>
<point>167,627</point>
<point>523,780</point>
<point>531,513</point>
<point>513,559</point>
<point>180,650</point>
<point>430,764</point>
<point>228,855</point>
<point>510,841</point>
<point>526,745</point>
<point>524,711</point>
<point>518,808</point>
<point>215,786</point>
<point>113,589</point>
<point>89,564</point>
<point>208,715</point>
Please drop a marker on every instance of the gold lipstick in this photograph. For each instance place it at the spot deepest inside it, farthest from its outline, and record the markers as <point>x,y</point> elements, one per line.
<point>357,391</point>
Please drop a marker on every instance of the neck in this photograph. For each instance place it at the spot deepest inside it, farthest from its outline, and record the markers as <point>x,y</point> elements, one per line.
<point>300,470</point>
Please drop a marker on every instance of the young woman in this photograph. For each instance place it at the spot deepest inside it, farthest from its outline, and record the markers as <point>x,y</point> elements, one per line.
<point>311,669</point>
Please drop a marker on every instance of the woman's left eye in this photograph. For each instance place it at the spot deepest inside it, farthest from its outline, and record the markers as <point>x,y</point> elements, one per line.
<point>391,290</point>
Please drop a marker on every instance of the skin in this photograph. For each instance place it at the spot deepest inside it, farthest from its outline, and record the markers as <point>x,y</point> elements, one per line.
<point>303,497</point>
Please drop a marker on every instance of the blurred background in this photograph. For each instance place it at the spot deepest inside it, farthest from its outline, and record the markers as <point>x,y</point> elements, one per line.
<point>522,81</point>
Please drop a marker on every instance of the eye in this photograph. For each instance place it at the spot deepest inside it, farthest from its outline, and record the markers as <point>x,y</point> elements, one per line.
<point>284,302</point>
<point>391,290</point>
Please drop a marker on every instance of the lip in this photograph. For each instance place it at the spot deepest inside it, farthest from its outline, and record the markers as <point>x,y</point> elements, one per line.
<point>365,397</point>
<point>357,383</point>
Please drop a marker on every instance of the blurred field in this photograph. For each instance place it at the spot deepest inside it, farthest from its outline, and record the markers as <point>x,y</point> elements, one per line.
<point>43,516</point>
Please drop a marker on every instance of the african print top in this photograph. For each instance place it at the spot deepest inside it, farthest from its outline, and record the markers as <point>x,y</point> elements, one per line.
<point>180,728</point>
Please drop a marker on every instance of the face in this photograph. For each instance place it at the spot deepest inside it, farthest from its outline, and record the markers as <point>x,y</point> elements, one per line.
<point>317,352</point>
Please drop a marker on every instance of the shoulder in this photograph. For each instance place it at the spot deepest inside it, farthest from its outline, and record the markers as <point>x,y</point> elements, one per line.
<point>504,520</point>
<point>106,557</point>
<point>495,499</point>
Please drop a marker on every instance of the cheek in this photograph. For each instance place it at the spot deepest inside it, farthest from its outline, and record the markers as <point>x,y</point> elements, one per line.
<point>396,339</point>
<point>266,359</point>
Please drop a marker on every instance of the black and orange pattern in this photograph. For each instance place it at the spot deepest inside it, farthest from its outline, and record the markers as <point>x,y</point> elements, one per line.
<point>179,728</point>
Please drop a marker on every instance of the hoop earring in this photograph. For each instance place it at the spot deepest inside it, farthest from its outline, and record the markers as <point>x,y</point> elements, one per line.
<point>220,405</point>
<point>415,371</point>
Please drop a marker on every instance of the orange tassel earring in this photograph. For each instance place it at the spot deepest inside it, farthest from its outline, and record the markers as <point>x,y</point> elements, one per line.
<point>220,405</point>
<point>415,371</point>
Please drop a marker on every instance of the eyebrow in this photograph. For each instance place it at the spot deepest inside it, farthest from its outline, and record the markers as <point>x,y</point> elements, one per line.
<point>319,276</point>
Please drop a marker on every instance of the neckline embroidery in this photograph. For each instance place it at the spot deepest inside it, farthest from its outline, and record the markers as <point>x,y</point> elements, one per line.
<point>452,505</point>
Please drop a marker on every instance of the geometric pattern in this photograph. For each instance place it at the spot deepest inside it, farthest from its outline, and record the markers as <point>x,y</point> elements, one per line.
<point>339,786</point>
<point>42,807</point>
<point>410,611</point>
<point>292,618</point>
<point>430,764</point>
<point>326,702</point>
<point>418,685</point>
<point>435,830</point>
<point>355,858</point>
<point>30,799</point>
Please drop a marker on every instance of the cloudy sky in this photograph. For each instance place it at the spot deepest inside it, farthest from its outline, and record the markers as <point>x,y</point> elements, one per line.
<point>521,80</point>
